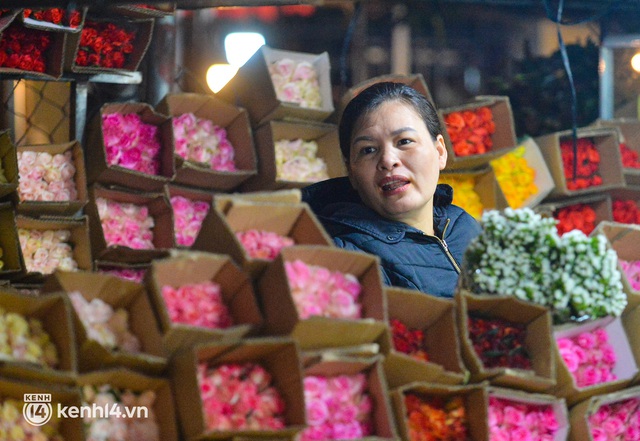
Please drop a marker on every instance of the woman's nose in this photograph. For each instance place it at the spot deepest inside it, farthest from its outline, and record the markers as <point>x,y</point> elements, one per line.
<point>388,159</point>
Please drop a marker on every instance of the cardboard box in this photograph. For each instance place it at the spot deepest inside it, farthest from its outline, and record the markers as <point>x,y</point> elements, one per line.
<point>325,135</point>
<point>538,340</point>
<point>118,294</point>
<point>475,404</point>
<point>288,196</point>
<point>54,312</point>
<point>253,89</point>
<point>9,165</point>
<point>625,368</point>
<point>237,294</point>
<point>281,315</point>
<point>224,220</point>
<point>436,317</point>
<point>65,208</point>
<point>106,267</point>
<point>608,146</point>
<point>504,139</point>
<point>79,241</point>
<point>98,170</point>
<point>136,11</point>
<point>629,193</point>
<point>189,193</point>
<point>7,17</point>
<point>143,30</point>
<point>31,22</point>
<point>124,379</point>
<point>601,204</point>
<point>279,357</point>
<point>629,133</point>
<point>159,210</point>
<point>234,120</point>
<point>9,243</point>
<point>383,425</point>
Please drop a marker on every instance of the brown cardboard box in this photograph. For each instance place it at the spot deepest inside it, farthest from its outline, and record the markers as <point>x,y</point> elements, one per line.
<point>124,379</point>
<point>625,368</point>
<point>143,30</point>
<point>281,315</point>
<point>98,170</point>
<point>9,165</point>
<point>193,195</point>
<point>629,132</point>
<point>325,135</point>
<point>436,317</point>
<point>191,268</point>
<point>608,145</point>
<point>381,414</point>
<point>475,404</point>
<point>54,312</point>
<point>118,294</point>
<point>137,270</point>
<point>234,120</point>
<point>68,208</point>
<point>288,196</point>
<point>628,193</point>
<point>279,356</point>
<point>601,204</point>
<point>159,10</point>
<point>504,138</point>
<point>253,89</point>
<point>159,209</point>
<point>219,228</point>
<point>79,241</point>
<point>7,18</point>
<point>9,243</point>
<point>538,340</point>
<point>31,22</point>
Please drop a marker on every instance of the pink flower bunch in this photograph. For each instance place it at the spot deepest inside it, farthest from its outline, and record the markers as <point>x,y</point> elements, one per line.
<point>25,339</point>
<point>44,251</point>
<point>197,304</point>
<point>101,323</point>
<point>317,291</point>
<point>46,177</point>
<point>125,416</point>
<point>130,274</point>
<point>239,397</point>
<point>261,244</point>
<point>337,408</point>
<point>126,224</point>
<point>187,219</point>
<point>131,143</point>
<point>617,421</point>
<point>296,82</point>
<point>13,422</point>
<point>512,420</point>
<point>632,272</point>
<point>199,140</point>
<point>296,161</point>
<point>589,357</point>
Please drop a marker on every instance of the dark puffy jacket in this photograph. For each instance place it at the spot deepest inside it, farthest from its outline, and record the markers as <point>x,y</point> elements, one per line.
<point>409,257</point>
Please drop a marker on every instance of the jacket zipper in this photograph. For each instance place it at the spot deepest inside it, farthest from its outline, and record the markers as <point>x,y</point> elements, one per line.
<point>445,247</point>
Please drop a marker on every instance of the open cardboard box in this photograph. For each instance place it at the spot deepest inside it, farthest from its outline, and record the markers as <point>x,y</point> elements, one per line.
<point>629,129</point>
<point>124,379</point>
<point>118,294</point>
<point>278,356</point>
<point>8,164</point>
<point>436,317</point>
<point>234,120</point>
<point>193,268</point>
<point>9,242</point>
<point>132,272</point>
<point>629,193</point>
<point>600,203</point>
<point>159,210</point>
<point>608,146</point>
<point>504,139</point>
<point>54,312</point>
<point>475,404</point>
<point>253,89</point>
<point>538,340</point>
<point>65,208</point>
<point>99,170</point>
<point>281,315</point>
<point>193,195</point>
<point>383,425</point>
<point>625,368</point>
<point>325,135</point>
<point>219,228</point>
<point>31,22</point>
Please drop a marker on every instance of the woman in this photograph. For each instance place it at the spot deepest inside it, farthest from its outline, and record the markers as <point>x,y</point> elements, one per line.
<point>391,204</point>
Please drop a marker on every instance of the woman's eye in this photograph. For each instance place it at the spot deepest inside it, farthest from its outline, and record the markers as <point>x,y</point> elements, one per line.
<point>405,141</point>
<point>367,150</point>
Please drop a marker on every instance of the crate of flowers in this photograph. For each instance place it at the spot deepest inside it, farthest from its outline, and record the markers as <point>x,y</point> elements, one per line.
<point>629,132</point>
<point>583,213</point>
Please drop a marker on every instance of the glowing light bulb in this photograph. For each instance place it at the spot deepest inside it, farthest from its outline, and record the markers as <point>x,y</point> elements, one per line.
<point>218,75</point>
<point>635,62</point>
<point>240,46</point>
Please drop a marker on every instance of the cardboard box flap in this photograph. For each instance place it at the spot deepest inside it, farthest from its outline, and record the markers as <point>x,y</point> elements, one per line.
<point>9,164</point>
<point>287,196</point>
<point>9,242</point>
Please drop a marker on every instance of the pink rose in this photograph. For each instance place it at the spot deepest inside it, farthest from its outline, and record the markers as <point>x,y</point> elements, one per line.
<point>317,412</point>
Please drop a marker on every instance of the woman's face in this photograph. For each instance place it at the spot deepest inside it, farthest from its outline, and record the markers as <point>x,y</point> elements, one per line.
<point>394,163</point>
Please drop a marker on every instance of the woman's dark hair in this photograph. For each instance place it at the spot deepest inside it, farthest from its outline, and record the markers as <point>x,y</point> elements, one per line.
<point>372,97</point>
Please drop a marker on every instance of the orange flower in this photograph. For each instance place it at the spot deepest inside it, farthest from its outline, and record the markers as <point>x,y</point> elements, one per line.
<point>470,131</point>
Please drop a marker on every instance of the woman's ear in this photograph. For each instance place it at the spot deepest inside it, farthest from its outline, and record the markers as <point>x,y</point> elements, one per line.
<point>441,147</point>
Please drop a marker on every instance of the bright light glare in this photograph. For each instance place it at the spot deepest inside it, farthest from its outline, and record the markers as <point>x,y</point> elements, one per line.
<point>240,46</point>
<point>635,62</point>
<point>220,74</point>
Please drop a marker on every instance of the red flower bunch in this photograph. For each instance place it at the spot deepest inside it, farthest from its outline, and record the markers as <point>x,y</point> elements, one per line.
<point>587,173</point>
<point>55,16</point>
<point>104,45</point>
<point>626,211</point>
<point>408,341</point>
<point>470,131</point>
<point>436,418</point>
<point>629,157</point>
<point>575,217</point>
<point>499,343</point>
<point>24,49</point>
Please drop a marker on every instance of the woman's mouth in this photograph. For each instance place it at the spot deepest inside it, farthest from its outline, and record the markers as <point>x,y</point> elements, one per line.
<point>393,184</point>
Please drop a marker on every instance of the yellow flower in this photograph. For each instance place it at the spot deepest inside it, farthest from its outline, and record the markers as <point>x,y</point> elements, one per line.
<point>10,411</point>
<point>464,194</point>
<point>17,433</point>
<point>515,177</point>
<point>17,325</point>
